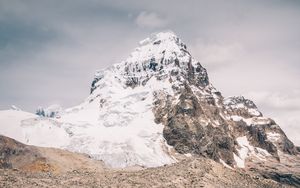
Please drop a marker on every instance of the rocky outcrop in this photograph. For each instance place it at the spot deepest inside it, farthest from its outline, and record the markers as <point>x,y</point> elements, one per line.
<point>98,76</point>
<point>289,179</point>
<point>190,126</point>
<point>12,151</point>
<point>17,156</point>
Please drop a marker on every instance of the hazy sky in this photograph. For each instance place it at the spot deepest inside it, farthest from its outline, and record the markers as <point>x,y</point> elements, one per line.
<point>49,50</point>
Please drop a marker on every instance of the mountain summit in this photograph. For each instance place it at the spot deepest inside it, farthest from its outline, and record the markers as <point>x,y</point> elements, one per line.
<point>161,55</point>
<point>155,107</point>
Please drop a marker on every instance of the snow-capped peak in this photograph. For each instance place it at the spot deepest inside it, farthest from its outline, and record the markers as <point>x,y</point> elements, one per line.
<point>163,56</point>
<point>161,37</point>
<point>156,46</point>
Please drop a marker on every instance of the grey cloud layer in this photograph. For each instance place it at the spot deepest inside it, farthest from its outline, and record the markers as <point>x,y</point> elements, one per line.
<point>49,50</point>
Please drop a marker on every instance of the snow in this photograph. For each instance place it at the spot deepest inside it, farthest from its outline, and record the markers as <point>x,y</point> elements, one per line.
<point>251,121</point>
<point>236,118</point>
<point>239,161</point>
<point>147,48</point>
<point>121,133</point>
<point>10,123</point>
<point>246,150</point>
<point>243,151</point>
<point>99,74</point>
<point>226,165</point>
<point>45,132</point>
<point>253,112</point>
<point>114,124</point>
<point>273,136</point>
<point>240,102</point>
<point>31,129</point>
<point>248,121</point>
<point>124,132</point>
<point>188,155</point>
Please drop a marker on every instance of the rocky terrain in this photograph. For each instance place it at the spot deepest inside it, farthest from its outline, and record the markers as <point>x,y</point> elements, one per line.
<point>29,166</point>
<point>15,155</point>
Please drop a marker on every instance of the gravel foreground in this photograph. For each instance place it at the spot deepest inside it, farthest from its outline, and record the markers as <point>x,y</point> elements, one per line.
<point>187,173</point>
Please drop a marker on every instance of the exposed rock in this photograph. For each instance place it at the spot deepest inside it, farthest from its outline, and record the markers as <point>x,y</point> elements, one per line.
<point>98,76</point>
<point>12,151</point>
<point>289,179</point>
<point>15,155</point>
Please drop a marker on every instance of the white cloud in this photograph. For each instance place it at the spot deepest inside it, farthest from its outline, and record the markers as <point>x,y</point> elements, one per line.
<point>217,54</point>
<point>150,20</point>
<point>278,101</point>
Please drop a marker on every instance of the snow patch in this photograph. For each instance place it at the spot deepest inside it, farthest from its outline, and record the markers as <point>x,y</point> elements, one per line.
<point>246,150</point>
<point>273,136</point>
<point>224,164</point>
<point>251,121</point>
<point>188,155</point>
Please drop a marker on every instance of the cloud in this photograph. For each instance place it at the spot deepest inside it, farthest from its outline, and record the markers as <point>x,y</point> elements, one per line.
<point>217,55</point>
<point>150,20</point>
<point>289,101</point>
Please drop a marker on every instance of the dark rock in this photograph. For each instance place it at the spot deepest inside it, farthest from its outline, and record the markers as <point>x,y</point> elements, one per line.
<point>157,42</point>
<point>153,64</point>
<point>289,179</point>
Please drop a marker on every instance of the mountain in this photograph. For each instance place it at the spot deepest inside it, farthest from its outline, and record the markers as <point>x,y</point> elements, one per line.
<point>156,106</point>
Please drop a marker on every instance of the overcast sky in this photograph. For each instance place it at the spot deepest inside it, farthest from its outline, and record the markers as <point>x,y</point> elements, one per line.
<point>49,50</point>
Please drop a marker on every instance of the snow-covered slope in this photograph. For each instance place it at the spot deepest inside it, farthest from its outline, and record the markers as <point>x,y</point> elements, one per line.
<point>31,129</point>
<point>11,121</point>
<point>159,99</point>
<point>115,123</point>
